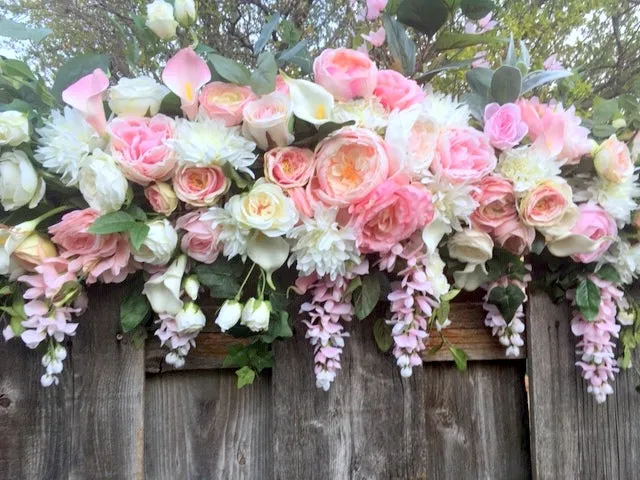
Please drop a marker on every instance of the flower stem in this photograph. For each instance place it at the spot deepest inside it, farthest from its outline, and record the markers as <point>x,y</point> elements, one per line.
<point>239,294</point>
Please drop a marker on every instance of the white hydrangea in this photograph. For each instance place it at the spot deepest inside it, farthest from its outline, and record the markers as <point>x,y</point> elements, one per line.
<point>444,111</point>
<point>526,167</point>
<point>209,142</point>
<point>618,199</point>
<point>625,259</point>
<point>453,203</point>
<point>233,236</point>
<point>66,140</point>
<point>322,246</point>
<point>367,113</point>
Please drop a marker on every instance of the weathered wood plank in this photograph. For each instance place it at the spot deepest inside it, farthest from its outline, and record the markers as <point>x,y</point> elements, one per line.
<point>477,421</point>
<point>199,425</point>
<point>108,391</point>
<point>370,424</point>
<point>467,331</point>
<point>571,435</point>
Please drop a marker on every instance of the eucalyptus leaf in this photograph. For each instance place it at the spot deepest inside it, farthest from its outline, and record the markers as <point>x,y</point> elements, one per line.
<point>297,55</point>
<point>230,70</point>
<point>19,31</point>
<point>429,74</point>
<point>265,33</point>
<point>541,77</point>
<point>263,78</point>
<point>479,79</point>
<point>506,84</point>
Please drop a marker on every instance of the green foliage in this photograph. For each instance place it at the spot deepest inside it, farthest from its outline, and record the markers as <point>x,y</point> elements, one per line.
<point>426,16</point>
<point>588,299</point>
<point>121,222</point>
<point>135,308</point>
<point>230,70</point>
<point>506,84</point>
<point>250,359</point>
<point>382,335</point>
<point>246,376</point>
<point>476,9</point>
<point>266,33</point>
<point>221,278</point>
<point>366,296</point>
<point>507,299</point>
<point>18,31</point>
<point>402,48</point>
<point>459,357</point>
<point>263,78</point>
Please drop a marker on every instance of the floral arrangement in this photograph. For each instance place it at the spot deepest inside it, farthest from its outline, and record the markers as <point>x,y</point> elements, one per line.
<point>359,190</point>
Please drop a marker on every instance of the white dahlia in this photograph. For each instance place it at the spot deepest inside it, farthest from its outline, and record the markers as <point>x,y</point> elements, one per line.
<point>625,259</point>
<point>618,199</point>
<point>66,140</point>
<point>526,167</point>
<point>322,246</point>
<point>233,235</point>
<point>443,111</point>
<point>208,142</point>
<point>367,113</point>
<point>453,203</point>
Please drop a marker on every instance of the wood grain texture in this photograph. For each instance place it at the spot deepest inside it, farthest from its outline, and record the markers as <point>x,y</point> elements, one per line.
<point>477,421</point>
<point>370,424</point>
<point>199,425</point>
<point>571,435</point>
<point>467,331</point>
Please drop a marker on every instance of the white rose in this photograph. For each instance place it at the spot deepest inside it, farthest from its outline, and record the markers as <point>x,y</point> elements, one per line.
<point>265,208</point>
<point>185,11</point>
<point>190,319</point>
<point>266,121</point>
<point>255,315</point>
<point>229,314</point>
<point>20,184</point>
<point>136,96</point>
<point>14,128</point>
<point>163,289</point>
<point>160,19</point>
<point>191,285</point>
<point>471,277</point>
<point>471,246</point>
<point>159,245</point>
<point>101,182</point>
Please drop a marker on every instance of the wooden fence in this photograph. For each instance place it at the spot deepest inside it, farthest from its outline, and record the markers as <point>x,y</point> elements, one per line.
<point>119,413</point>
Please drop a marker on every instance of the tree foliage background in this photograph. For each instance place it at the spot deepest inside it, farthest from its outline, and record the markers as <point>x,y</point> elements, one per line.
<point>597,39</point>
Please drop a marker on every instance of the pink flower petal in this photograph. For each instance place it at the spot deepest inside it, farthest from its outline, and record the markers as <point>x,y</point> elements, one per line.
<point>85,95</point>
<point>185,74</point>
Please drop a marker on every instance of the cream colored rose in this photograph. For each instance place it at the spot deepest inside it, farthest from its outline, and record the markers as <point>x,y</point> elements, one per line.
<point>14,128</point>
<point>185,11</point>
<point>160,19</point>
<point>613,160</point>
<point>136,96</point>
<point>159,245</point>
<point>265,208</point>
<point>549,207</point>
<point>471,246</point>
<point>266,121</point>
<point>20,184</point>
<point>101,182</point>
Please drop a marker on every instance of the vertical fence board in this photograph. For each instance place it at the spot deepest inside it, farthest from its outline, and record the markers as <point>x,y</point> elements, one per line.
<point>108,388</point>
<point>477,421</point>
<point>199,425</point>
<point>571,435</point>
<point>369,425</point>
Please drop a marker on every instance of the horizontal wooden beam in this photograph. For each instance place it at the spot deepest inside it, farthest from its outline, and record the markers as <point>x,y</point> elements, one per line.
<point>467,331</point>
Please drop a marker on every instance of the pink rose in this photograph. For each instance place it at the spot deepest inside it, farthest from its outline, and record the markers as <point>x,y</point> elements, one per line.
<point>349,165</point>
<point>289,166</point>
<point>394,90</point>
<point>496,204</point>
<point>139,146</point>
<point>104,256</point>
<point>200,186</point>
<point>503,125</point>
<point>514,236</point>
<point>374,8</point>
<point>391,213</point>
<point>201,240</point>
<point>546,204</point>
<point>463,155</point>
<point>281,85</point>
<point>225,101</point>
<point>595,223</point>
<point>345,73</point>
<point>613,160</point>
<point>161,197</point>
<point>304,202</point>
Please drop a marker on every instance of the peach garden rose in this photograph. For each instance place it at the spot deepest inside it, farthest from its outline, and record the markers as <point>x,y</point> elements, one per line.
<point>496,203</point>
<point>200,186</point>
<point>200,240</point>
<point>345,73</point>
<point>161,197</point>
<point>547,204</point>
<point>225,101</point>
<point>463,154</point>
<point>289,167</point>
<point>613,160</point>
<point>394,90</point>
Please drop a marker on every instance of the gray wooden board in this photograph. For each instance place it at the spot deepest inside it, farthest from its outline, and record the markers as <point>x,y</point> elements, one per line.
<point>199,425</point>
<point>571,435</point>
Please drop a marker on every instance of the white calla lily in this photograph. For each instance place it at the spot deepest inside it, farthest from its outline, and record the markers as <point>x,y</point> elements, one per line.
<point>269,253</point>
<point>163,290</point>
<point>433,233</point>
<point>573,244</point>
<point>309,101</point>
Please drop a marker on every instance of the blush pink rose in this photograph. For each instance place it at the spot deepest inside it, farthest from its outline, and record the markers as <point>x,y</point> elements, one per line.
<point>289,166</point>
<point>597,224</point>
<point>96,256</point>
<point>391,213</point>
<point>463,155</point>
<point>496,204</point>
<point>200,186</point>
<point>139,146</point>
<point>161,197</point>
<point>395,91</point>
<point>613,160</point>
<point>200,241</point>
<point>546,204</point>
<point>345,73</point>
<point>305,204</point>
<point>503,125</point>
<point>349,165</point>
<point>281,85</point>
<point>514,236</point>
<point>225,101</point>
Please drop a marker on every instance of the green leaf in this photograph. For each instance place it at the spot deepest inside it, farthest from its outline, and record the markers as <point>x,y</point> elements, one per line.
<point>237,355</point>
<point>263,78</point>
<point>604,110</point>
<point>353,285</point>
<point>288,31</point>
<point>246,376</point>
<point>450,295</point>
<point>220,278</point>
<point>511,59</point>
<point>323,132</point>
<point>19,31</point>
<point>436,349</point>
<point>138,233</point>
<point>77,68</point>
<point>114,222</point>
<point>429,74</point>
<point>366,297</point>
<point>137,213</point>
<point>540,77</point>
<point>506,84</point>
<point>459,356</point>
<point>426,16</point>
<point>297,55</point>
<point>16,68</point>
<point>171,105</point>
<point>476,9</point>
<point>609,273</point>
<point>507,299</point>
<point>382,335</point>
<point>134,309</point>
<point>479,80</point>
<point>588,299</point>
<point>230,70</point>
<point>265,33</point>
<point>401,46</point>
<point>453,40</point>
<point>278,327</point>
